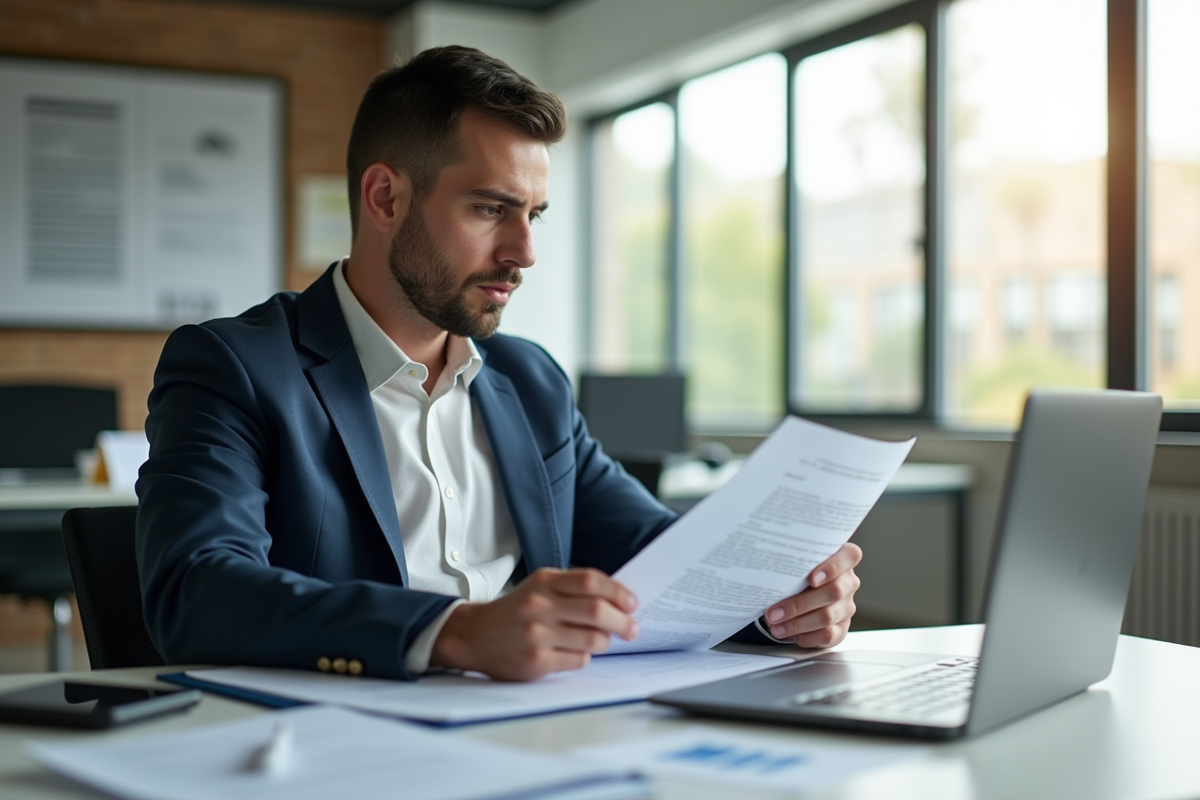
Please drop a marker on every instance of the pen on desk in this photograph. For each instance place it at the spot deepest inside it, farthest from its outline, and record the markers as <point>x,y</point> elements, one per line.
<point>274,757</point>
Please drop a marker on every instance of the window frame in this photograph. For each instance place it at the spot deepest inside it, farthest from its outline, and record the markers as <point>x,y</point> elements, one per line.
<point>1126,213</point>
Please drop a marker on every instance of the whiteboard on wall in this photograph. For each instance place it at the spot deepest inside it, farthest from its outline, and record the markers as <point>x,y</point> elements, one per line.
<point>134,198</point>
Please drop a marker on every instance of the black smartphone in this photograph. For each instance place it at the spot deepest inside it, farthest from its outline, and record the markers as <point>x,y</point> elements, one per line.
<point>90,705</point>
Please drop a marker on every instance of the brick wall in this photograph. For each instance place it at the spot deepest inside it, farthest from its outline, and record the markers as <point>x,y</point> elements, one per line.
<point>325,61</point>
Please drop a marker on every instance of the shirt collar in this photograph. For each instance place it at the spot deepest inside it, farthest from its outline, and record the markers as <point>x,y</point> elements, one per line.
<point>381,358</point>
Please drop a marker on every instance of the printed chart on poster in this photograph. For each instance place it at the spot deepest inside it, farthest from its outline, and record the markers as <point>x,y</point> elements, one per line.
<point>134,198</point>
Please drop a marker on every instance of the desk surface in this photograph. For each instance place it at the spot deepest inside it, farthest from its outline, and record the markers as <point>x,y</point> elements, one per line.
<point>1132,736</point>
<point>693,479</point>
<point>61,497</point>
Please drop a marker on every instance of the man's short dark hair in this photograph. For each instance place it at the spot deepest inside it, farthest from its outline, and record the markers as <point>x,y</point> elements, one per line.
<point>409,115</point>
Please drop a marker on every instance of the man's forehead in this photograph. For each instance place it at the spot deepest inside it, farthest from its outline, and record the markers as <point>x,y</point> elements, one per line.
<point>498,161</point>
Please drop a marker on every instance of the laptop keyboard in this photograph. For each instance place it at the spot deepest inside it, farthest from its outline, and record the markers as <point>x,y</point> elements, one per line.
<point>944,686</point>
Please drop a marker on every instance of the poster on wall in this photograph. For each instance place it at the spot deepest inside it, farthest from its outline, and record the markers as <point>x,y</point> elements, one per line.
<point>133,198</point>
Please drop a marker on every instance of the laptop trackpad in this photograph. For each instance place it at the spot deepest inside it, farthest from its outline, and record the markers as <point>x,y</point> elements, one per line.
<point>817,674</point>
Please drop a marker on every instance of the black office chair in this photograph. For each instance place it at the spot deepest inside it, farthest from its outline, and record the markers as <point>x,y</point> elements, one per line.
<point>99,544</point>
<point>41,428</point>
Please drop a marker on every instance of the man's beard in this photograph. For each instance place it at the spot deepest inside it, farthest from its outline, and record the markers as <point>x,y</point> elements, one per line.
<point>425,275</point>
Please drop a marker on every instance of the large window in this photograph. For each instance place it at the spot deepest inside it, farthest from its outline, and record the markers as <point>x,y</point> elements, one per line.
<point>959,200</point>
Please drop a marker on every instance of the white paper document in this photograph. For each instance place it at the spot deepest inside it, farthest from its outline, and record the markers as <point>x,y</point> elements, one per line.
<point>456,699</point>
<point>335,753</point>
<point>753,542</point>
<point>770,763</point>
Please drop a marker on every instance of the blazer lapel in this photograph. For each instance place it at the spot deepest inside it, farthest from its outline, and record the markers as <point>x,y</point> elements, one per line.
<point>522,471</point>
<point>340,384</point>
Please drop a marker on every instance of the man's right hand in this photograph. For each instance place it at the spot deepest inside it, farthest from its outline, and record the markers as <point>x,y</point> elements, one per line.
<point>553,621</point>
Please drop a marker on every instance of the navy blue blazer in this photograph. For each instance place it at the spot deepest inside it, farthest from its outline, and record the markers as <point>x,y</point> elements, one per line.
<point>267,530</point>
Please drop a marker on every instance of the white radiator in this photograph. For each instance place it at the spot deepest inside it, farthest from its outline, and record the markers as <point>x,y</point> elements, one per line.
<point>1164,596</point>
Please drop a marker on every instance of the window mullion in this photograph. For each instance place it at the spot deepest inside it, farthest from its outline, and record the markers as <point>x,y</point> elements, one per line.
<point>1126,193</point>
<point>676,279</point>
<point>793,305</point>
<point>936,135</point>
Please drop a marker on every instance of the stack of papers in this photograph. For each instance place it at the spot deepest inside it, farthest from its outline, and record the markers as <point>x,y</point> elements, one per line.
<point>459,699</point>
<point>335,753</point>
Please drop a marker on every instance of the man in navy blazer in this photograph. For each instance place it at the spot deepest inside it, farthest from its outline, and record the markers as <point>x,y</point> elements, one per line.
<point>269,511</point>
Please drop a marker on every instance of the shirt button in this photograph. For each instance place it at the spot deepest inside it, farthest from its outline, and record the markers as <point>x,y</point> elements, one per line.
<point>339,665</point>
<point>323,663</point>
<point>450,492</point>
<point>455,555</point>
<point>355,667</point>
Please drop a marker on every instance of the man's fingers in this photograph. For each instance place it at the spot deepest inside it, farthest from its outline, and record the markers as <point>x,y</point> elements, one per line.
<point>829,616</point>
<point>591,583</point>
<point>825,637</point>
<point>846,558</point>
<point>596,614</point>
<point>571,638</point>
<point>845,585</point>
<point>543,662</point>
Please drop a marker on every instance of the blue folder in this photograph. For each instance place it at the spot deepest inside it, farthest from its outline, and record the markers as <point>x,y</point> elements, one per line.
<point>233,692</point>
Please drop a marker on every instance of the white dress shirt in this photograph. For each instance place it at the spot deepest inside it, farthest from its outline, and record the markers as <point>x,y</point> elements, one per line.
<point>458,534</point>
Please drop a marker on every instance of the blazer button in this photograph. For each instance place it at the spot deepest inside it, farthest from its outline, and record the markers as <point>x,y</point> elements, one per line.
<point>355,667</point>
<point>323,663</point>
<point>339,665</point>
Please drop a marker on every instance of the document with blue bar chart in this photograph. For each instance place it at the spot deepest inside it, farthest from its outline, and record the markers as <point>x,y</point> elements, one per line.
<point>753,542</point>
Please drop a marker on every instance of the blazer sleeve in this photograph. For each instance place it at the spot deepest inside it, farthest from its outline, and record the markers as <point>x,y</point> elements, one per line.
<point>210,591</point>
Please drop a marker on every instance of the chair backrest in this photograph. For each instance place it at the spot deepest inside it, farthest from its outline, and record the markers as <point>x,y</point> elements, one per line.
<point>639,417</point>
<point>41,427</point>
<point>99,544</point>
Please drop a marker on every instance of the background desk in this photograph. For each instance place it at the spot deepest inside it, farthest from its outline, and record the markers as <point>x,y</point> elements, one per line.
<point>684,484</point>
<point>1131,737</point>
<point>31,546</point>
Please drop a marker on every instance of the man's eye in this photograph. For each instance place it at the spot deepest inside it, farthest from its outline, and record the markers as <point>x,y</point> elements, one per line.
<point>490,211</point>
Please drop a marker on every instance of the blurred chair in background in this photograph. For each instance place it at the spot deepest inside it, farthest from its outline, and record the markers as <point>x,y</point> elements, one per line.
<point>41,428</point>
<point>639,419</point>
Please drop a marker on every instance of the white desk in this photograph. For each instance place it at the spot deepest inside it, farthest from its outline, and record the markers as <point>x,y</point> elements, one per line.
<point>61,497</point>
<point>1131,737</point>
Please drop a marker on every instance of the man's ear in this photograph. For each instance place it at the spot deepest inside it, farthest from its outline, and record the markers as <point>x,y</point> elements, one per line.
<point>386,196</point>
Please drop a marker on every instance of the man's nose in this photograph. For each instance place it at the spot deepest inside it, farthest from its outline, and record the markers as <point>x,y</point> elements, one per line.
<point>516,247</point>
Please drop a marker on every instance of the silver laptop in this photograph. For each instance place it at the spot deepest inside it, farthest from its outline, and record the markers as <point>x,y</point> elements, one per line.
<point>1065,545</point>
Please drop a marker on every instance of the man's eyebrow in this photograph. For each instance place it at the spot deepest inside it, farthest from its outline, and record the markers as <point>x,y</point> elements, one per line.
<point>506,198</point>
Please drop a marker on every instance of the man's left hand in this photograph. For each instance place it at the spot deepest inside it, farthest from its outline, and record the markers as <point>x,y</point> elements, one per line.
<point>820,615</point>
